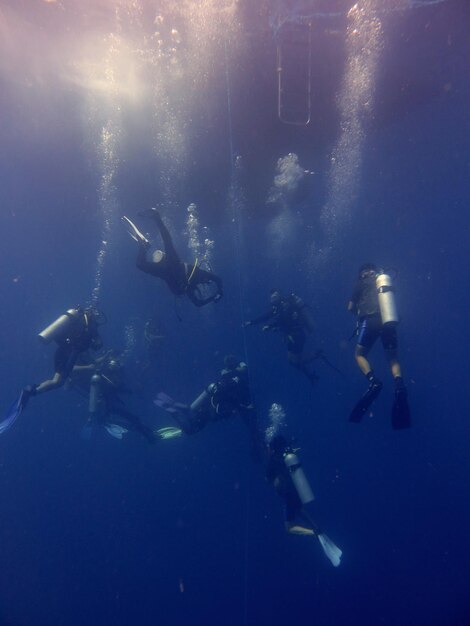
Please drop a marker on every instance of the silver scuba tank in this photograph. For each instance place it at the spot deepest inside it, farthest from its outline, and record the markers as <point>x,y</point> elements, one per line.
<point>95,395</point>
<point>59,329</point>
<point>200,401</point>
<point>298,477</point>
<point>386,294</point>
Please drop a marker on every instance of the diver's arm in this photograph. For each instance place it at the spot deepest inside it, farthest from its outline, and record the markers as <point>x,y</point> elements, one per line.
<point>266,317</point>
<point>83,368</point>
<point>352,307</point>
<point>354,299</point>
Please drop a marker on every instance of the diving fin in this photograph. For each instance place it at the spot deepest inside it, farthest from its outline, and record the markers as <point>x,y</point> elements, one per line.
<point>331,550</point>
<point>165,402</point>
<point>15,410</point>
<point>134,232</point>
<point>400,410</point>
<point>366,400</point>
<point>168,432</point>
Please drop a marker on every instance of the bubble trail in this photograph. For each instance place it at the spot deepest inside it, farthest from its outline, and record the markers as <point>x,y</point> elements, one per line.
<point>364,42</point>
<point>276,417</point>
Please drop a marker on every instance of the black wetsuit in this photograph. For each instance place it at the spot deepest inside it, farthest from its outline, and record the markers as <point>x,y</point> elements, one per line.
<point>82,336</point>
<point>231,393</point>
<point>366,303</point>
<point>287,316</point>
<point>180,277</point>
<point>228,397</point>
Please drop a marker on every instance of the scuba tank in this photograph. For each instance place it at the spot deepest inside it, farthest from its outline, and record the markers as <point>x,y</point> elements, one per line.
<point>200,402</point>
<point>58,330</point>
<point>292,462</point>
<point>95,394</point>
<point>386,294</point>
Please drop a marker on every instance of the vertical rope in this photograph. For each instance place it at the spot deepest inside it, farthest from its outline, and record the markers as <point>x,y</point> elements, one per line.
<point>235,215</point>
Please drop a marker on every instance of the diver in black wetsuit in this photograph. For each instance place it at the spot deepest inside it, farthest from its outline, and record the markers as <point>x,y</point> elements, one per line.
<point>290,316</point>
<point>298,522</point>
<point>284,471</point>
<point>104,383</point>
<point>75,332</point>
<point>364,303</point>
<point>181,278</point>
<point>228,397</point>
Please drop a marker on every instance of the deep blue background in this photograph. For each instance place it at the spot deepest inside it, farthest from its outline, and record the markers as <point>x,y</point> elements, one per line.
<point>187,532</point>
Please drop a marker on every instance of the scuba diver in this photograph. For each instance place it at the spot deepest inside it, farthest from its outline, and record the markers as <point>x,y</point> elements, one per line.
<point>284,471</point>
<point>373,302</point>
<point>228,397</point>
<point>104,383</point>
<point>74,332</point>
<point>291,317</point>
<point>201,286</point>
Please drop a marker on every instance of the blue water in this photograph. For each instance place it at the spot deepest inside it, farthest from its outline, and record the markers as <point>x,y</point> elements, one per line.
<point>100,119</point>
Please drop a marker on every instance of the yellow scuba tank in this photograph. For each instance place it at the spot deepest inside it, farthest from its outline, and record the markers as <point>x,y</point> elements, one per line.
<point>60,327</point>
<point>386,294</point>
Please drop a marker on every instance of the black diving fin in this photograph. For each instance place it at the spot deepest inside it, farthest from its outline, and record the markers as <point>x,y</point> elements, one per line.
<point>366,400</point>
<point>401,417</point>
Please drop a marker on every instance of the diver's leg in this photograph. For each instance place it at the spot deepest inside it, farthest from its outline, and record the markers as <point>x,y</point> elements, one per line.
<point>401,417</point>
<point>48,385</point>
<point>369,331</point>
<point>308,521</point>
<point>395,368</point>
<point>294,513</point>
<point>390,345</point>
<point>362,360</point>
<point>64,360</point>
<point>168,245</point>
